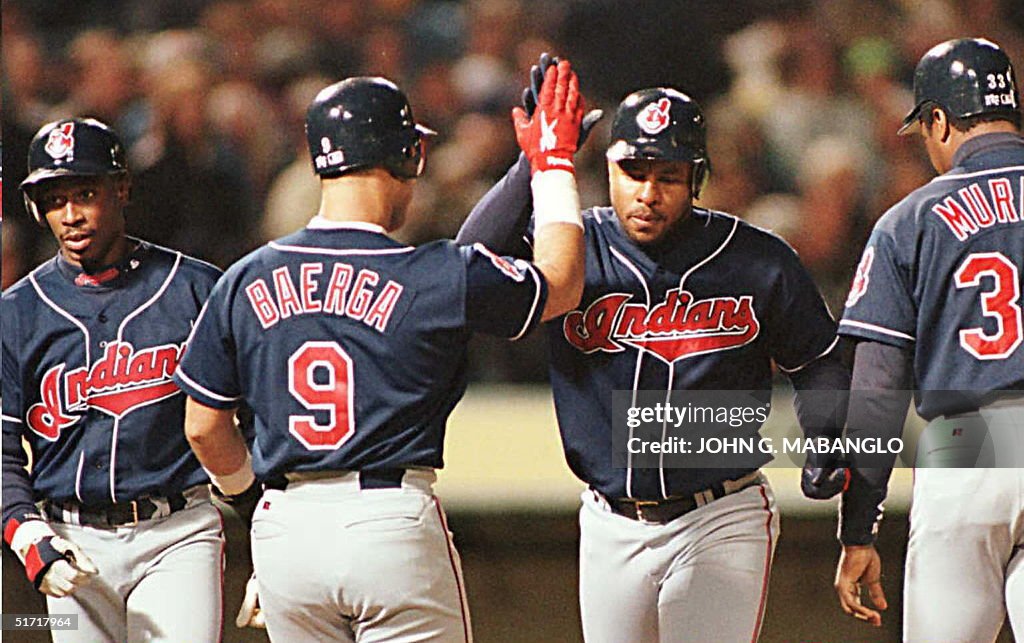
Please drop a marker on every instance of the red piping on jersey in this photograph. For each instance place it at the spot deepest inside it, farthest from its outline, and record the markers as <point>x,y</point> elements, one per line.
<point>767,567</point>
<point>455,569</point>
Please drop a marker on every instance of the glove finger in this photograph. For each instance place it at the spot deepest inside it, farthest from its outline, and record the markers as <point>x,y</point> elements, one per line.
<point>573,100</point>
<point>544,62</point>
<point>529,104</point>
<point>258,620</point>
<point>244,616</point>
<point>562,84</point>
<point>74,554</point>
<point>547,90</point>
<point>588,123</point>
<point>82,562</point>
<point>536,82</point>
<point>80,578</point>
<point>520,118</point>
<point>247,609</point>
<point>591,119</point>
<point>58,579</point>
<point>819,476</point>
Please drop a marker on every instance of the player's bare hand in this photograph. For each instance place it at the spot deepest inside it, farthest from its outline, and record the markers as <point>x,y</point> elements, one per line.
<point>859,569</point>
<point>549,136</point>
<point>250,614</point>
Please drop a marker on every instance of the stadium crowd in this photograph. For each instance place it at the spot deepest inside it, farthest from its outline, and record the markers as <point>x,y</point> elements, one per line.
<point>803,100</point>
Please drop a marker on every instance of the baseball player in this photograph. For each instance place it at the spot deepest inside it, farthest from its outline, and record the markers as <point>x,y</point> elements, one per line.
<point>114,515</point>
<point>672,554</point>
<point>350,347</point>
<point>936,308</point>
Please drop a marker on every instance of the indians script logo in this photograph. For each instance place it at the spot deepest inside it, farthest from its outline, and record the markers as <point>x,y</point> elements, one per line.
<point>674,329</point>
<point>61,142</point>
<point>860,279</point>
<point>654,117</point>
<point>120,382</point>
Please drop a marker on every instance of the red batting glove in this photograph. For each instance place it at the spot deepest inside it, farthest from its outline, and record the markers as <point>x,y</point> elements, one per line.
<point>549,138</point>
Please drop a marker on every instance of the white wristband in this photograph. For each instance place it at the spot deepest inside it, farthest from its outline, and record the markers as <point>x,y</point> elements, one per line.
<point>555,199</point>
<point>232,484</point>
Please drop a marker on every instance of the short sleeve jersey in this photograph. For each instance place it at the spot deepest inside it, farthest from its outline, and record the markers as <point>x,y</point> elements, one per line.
<point>941,276</point>
<point>711,308</point>
<point>350,346</point>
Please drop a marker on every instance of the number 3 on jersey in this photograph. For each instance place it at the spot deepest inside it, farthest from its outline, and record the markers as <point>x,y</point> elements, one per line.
<point>999,303</point>
<point>320,378</point>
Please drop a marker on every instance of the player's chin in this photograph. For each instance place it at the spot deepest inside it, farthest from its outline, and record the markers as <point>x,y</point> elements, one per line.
<point>76,254</point>
<point>643,231</point>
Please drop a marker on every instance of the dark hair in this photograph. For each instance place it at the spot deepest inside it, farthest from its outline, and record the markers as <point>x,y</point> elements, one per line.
<point>966,124</point>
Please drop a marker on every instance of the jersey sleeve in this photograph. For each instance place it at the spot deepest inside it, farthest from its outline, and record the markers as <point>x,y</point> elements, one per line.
<point>501,219</point>
<point>208,371</point>
<point>880,306</point>
<point>801,329</point>
<point>18,498</point>
<point>11,400</point>
<point>504,296</point>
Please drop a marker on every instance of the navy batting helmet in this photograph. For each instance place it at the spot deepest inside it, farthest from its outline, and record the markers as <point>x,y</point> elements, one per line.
<point>71,147</point>
<point>364,122</point>
<point>661,123</point>
<point>965,77</point>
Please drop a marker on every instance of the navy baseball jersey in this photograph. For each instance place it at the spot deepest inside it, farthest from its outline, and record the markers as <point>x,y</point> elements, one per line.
<point>942,276</point>
<point>87,366</point>
<point>709,308</point>
<point>361,339</point>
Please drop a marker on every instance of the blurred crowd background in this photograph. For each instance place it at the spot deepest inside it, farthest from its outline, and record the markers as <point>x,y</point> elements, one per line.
<point>803,100</point>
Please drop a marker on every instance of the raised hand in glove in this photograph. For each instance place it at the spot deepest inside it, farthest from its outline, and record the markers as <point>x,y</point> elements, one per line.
<point>56,566</point>
<point>250,614</point>
<point>548,138</point>
<point>531,96</point>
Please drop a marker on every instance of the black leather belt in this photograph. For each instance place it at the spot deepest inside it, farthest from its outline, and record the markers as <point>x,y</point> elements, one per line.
<point>390,478</point>
<point>118,514</point>
<point>665,511</point>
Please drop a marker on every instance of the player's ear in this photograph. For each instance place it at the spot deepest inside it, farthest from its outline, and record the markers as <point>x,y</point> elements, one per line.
<point>941,121</point>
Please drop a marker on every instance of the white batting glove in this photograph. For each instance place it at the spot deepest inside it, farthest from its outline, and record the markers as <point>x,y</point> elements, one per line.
<point>250,614</point>
<point>55,565</point>
<point>68,574</point>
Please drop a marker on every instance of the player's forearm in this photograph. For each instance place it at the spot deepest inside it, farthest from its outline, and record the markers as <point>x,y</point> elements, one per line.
<point>500,219</point>
<point>18,499</point>
<point>821,395</point>
<point>879,398</point>
<point>880,392</point>
<point>558,255</point>
<point>215,438</point>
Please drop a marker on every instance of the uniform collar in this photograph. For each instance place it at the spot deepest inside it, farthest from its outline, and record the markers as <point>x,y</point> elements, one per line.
<point>983,143</point>
<point>106,277</point>
<point>320,223</point>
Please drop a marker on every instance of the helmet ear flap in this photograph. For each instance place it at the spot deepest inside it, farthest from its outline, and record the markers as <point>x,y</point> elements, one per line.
<point>699,177</point>
<point>410,163</point>
<point>32,208</point>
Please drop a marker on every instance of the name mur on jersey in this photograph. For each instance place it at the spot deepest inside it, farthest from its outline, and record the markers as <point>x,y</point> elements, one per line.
<point>978,208</point>
<point>346,294</point>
